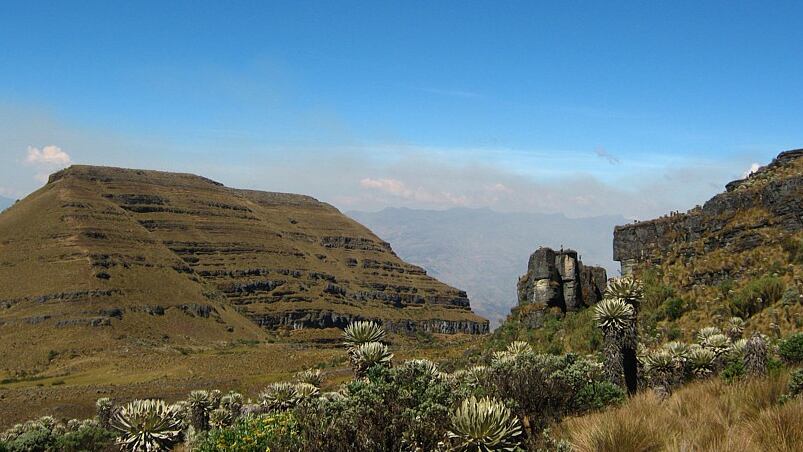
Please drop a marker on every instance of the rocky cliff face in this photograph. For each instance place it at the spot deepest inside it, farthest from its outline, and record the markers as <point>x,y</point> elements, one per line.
<point>160,256</point>
<point>757,212</point>
<point>559,279</point>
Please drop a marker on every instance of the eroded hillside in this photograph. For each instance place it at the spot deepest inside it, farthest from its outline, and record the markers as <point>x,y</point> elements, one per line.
<point>104,255</point>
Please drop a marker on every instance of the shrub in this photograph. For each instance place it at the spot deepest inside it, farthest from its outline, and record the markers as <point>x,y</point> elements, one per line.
<point>791,349</point>
<point>403,408</point>
<point>544,387</point>
<point>597,395</point>
<point>276,431</point>
<point>674,307</point>
<point>655,292</point>
<point>756,295</point>
<point>87,437</point>
<point>733,371</point>
<point>795,383</point>
<point>484,425</point>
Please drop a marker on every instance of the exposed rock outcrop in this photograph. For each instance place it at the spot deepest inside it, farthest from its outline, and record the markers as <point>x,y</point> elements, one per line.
<point>760,210</point>
<point>559,279</point>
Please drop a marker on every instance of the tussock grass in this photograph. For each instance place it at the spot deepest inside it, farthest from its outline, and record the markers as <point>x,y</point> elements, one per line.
<point>707,416</point>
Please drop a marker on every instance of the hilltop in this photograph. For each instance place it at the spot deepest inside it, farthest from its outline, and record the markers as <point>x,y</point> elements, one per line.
<point>126,257</point>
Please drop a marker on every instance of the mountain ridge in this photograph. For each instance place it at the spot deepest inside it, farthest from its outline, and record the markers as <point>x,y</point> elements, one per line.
<point>139,255</point>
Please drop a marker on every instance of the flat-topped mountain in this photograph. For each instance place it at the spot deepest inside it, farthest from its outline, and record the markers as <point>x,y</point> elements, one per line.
<point>141,255</point>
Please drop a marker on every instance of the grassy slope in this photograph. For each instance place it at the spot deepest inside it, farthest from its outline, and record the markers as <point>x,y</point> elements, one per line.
<point>703,416</point>
<point>69,385</point>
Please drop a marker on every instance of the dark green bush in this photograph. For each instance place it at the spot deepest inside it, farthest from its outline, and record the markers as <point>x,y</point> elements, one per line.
<point>791,297</point>
<point>756,295</point>
<point>674,308</point>
<point>597,395</point>
<point>733,370</point>
<point>791,348</point>
<point>543,388</point>
<point>87,438</point>
<point>395,409</point>
<point>655,291</point>
<point>37,439</point>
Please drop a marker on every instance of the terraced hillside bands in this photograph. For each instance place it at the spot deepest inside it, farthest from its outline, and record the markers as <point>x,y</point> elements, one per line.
<point>104,257</point>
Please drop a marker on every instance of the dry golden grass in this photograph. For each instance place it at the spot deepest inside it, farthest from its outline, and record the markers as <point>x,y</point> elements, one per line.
<point>708,416</point>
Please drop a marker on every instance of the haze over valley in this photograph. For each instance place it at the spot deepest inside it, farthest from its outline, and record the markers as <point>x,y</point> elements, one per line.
<point>483,251</point>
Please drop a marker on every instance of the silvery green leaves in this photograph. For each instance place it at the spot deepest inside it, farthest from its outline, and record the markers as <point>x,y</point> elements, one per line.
<point>147,425</point>
<point>626,288</point>
<point>362,332</point>
<point>370,354</point>
<point>484,425</point>
<point>613,314</point>
<point>310,376</point>
<point>279,396</point>
<point>701,361</point>
<point>364,347</point>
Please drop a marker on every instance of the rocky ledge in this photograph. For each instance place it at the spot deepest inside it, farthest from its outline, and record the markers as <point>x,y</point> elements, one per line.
<point>771,197</point>
<point>328,319</point>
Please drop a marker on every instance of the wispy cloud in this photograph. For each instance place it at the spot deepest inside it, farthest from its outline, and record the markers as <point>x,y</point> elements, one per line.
<point>603,154</point>
<point>420,194</point>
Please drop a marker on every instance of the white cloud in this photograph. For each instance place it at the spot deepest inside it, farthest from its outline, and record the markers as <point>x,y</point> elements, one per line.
<point>46,160</point>
<point>52,156</point>
<point>753,168</point>
<point>420,194</point>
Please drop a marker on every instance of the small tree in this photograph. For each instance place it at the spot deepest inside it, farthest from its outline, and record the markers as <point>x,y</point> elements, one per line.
<point>200,405</point>
<point>614,317</point>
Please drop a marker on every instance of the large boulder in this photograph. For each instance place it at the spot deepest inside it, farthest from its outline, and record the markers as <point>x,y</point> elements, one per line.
<point>559,279</point>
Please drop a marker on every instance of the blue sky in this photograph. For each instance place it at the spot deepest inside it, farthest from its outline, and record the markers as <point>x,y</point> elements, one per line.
<point>577,107</point>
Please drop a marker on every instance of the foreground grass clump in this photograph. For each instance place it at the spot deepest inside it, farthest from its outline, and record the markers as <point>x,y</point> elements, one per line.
<point>710,415</point>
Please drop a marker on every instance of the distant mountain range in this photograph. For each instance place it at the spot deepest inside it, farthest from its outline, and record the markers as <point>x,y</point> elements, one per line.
<point>484,252</point>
